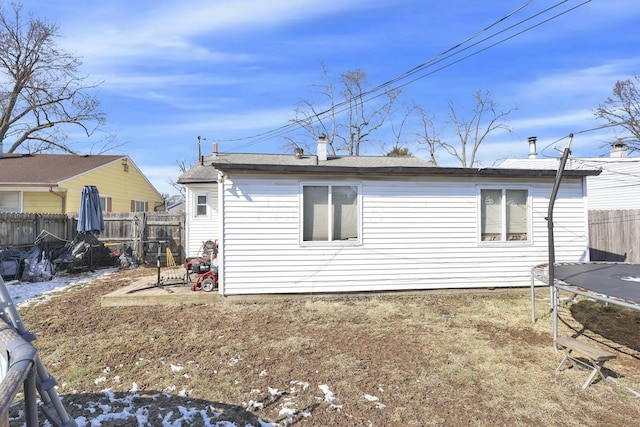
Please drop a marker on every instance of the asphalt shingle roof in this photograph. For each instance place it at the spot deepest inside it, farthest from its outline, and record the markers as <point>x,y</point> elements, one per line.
<point>47,169</point>
<point>207,170</point>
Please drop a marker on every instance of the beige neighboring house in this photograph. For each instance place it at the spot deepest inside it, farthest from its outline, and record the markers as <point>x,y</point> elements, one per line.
<point>53,183</point>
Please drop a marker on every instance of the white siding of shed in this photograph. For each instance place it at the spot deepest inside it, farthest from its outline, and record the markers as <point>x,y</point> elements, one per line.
<point>415,235</point>
<point>201,229</point>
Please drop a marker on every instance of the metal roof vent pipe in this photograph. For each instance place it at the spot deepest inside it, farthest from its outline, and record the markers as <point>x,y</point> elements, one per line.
<point>532,147</point>
<point>322,148</point>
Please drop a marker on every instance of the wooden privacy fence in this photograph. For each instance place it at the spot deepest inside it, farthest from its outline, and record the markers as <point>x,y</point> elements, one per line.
<point>614,235</point>
<point>144,232</point>
<point>22,229</point>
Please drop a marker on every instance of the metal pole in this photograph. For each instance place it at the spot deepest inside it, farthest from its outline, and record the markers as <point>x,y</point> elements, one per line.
<point>552,253</point>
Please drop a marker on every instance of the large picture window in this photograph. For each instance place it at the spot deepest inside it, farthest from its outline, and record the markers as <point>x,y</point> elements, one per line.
<point>504,215</point>
<point>9,201</point>
<point>330,213</point>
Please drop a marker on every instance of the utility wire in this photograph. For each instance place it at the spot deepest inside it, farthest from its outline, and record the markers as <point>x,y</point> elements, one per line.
<point>447,54</point>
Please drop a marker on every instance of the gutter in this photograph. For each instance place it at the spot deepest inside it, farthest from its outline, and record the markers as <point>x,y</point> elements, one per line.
<point>398,170</point>
<point>62,196</point>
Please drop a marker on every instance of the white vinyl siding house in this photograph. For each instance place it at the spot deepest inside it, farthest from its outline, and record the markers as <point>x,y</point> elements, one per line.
<point>414,229</point>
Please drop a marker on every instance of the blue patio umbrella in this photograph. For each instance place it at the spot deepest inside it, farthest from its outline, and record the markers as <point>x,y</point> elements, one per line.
<point>90,216</point>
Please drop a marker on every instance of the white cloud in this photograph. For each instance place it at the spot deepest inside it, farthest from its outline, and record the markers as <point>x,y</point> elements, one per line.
<point>595,79</point>
<point>171,29</point>
<point>571,119</point>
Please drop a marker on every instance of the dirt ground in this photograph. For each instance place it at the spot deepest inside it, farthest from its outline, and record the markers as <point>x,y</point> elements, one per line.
<point>422,360</point>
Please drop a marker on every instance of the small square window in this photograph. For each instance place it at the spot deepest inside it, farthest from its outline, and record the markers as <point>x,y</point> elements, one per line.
<point>201,205</point>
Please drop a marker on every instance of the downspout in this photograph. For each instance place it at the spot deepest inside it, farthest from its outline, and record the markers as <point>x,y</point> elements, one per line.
<point>552,253</point>
<point>221,257</point>
<point>61,196</point>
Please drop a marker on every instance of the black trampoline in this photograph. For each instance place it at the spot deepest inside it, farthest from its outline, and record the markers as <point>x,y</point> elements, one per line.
<point>615,283</point>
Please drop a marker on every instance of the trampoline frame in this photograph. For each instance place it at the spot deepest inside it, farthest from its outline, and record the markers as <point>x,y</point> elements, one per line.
<point>538,273</point>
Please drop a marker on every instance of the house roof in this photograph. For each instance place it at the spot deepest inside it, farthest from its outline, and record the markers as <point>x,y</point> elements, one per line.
<point>207,170</point>
<point>47,169</point>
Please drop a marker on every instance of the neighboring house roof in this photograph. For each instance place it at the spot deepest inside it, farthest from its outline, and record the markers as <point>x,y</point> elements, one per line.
<point>616,187</point>
<point>206,171</point>
<point>47,169</point>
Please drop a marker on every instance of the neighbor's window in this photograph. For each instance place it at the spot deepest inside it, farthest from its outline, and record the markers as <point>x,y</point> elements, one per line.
<point>201,205</point>
<point>9,201</point>
<point>138,206</point>
<point>504,215</point>
<point>330,213</point>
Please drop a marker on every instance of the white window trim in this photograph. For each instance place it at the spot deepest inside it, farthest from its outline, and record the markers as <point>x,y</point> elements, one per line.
<point>529,240</point>
<point>135,202</point>
<point>332,243</point>
<point>194,200</point>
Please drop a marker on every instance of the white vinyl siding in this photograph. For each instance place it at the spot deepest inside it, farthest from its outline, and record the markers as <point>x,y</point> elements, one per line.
<point>415,234</point>
<point>201,228</point>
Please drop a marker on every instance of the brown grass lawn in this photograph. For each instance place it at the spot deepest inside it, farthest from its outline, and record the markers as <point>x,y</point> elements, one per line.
<point>429,359</point>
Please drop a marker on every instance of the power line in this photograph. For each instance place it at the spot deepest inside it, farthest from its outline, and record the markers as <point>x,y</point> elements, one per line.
<point>457,49</point>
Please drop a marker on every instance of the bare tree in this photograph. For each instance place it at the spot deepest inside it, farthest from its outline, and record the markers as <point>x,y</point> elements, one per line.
<point>486,118</point>
<point>314,120</point>
<point>363,119</point>
<point>623,110</point>
<point>428,134</point>
<point>347,123</point>
<point>42,97</point>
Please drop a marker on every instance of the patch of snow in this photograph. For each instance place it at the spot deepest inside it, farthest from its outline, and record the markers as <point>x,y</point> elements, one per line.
<point>27,293</point>
<point>329,397</point>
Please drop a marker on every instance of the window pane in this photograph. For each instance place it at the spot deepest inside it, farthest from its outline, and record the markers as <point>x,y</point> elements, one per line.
<point>139,206</point>
<point>345,212</point>
<point>516,214</point>
<point>10,201</point>
<point>315,211</point>
<point>491,216</point>
<point>201,205</point>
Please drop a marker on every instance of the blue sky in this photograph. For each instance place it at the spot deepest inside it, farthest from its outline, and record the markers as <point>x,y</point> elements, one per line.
<point>226,70</point>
